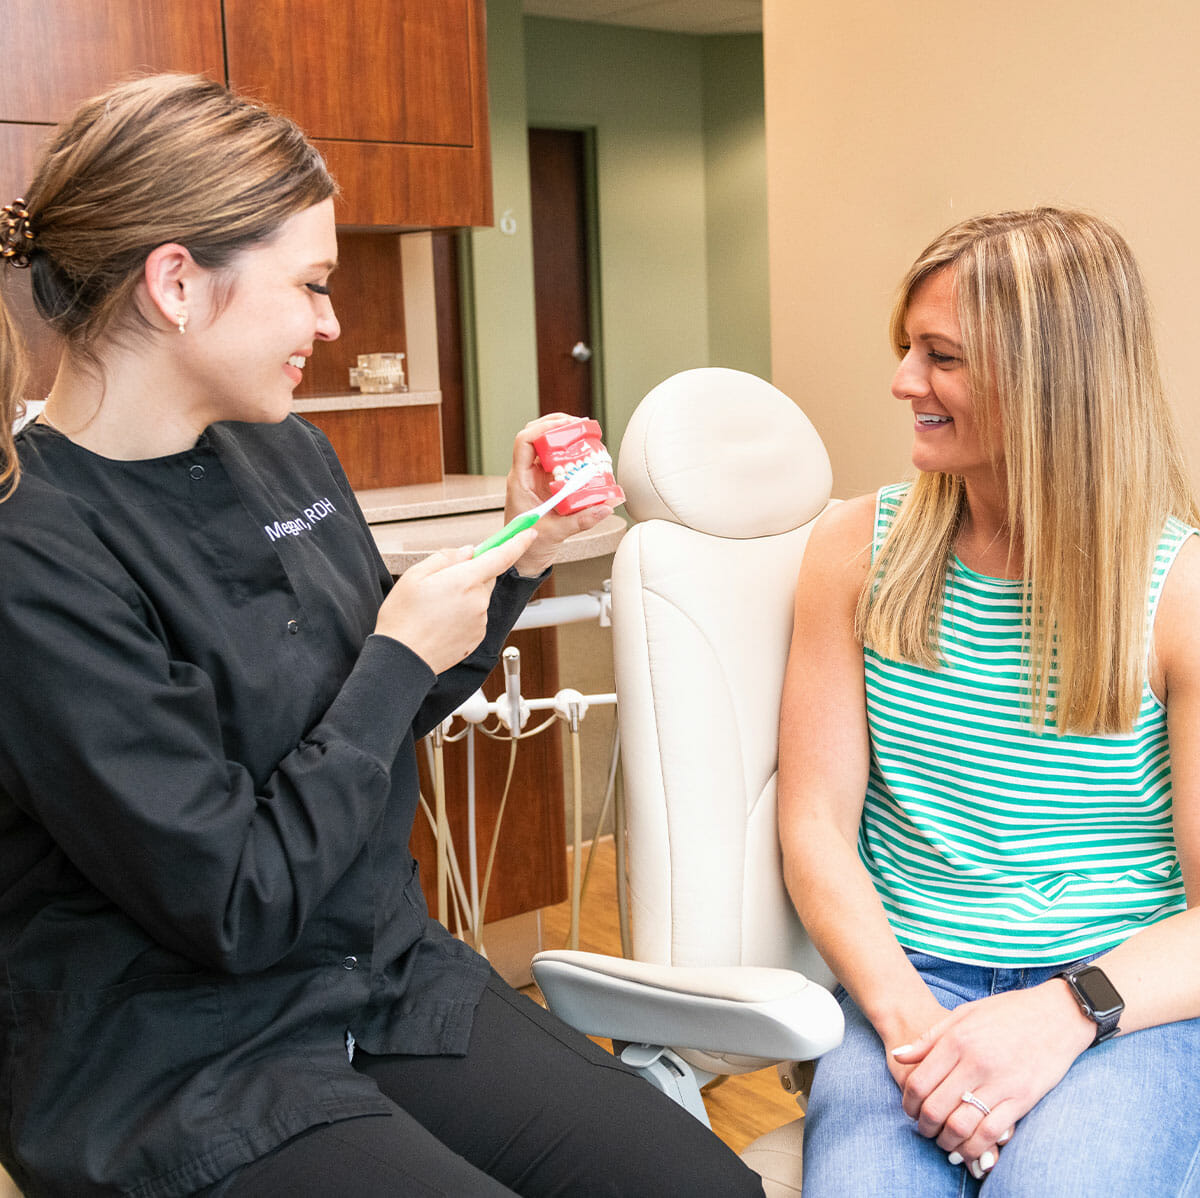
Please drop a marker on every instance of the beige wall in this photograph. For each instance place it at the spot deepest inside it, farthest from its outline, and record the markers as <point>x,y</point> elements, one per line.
<point>888,122</point>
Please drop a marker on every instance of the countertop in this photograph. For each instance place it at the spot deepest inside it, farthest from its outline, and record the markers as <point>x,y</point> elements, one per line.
<point>409,523</point>
<point>354,401</point>
<point>455,494</point>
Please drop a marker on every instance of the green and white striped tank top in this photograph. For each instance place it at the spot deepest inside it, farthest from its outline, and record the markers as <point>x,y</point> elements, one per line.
<point>988,842</point>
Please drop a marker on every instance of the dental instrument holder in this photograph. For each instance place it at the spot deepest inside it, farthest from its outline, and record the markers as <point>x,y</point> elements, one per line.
<point>564,449</point>
<point>511,658</point>
<point>441,825</point>
<point>570,706</point>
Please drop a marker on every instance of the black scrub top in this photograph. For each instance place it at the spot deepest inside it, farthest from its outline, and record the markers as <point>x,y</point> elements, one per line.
<point>207,785</point>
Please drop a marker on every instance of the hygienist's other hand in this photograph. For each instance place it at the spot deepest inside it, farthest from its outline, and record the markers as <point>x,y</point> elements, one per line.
<point>438,608</point>
<point>528,485</point>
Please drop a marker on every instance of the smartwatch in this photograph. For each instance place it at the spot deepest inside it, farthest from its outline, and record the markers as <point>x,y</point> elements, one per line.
<point>1097,998</point>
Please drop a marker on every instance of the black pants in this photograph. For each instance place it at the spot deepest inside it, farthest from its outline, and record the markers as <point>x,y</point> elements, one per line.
<point>532,1109</point>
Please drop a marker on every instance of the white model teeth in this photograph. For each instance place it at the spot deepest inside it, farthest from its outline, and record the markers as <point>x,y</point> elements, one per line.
<point>928,418</point>
<point>600,458</point>
<point>296,360</point>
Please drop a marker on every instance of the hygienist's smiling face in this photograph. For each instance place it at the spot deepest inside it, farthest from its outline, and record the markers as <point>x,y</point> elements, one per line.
<point>249,354</point>
<point>932,379</point>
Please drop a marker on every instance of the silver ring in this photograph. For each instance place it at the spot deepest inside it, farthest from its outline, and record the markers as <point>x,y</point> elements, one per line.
<point>977,1103</point>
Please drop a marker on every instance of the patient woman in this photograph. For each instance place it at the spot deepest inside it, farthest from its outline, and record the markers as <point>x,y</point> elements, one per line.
<point>219,974</point>
<point>990,757</point>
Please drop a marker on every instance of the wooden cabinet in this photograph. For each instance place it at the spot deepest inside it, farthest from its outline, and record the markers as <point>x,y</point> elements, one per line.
<point>59,52</point>
<point>393,91</point>
<point>62,51</point>
<point>394,95</point>
<point>384,292</point>
<point>353,77</point>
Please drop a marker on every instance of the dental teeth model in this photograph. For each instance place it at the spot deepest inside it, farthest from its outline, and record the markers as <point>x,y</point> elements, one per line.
<point>568,448</point>
<point>378,373</point>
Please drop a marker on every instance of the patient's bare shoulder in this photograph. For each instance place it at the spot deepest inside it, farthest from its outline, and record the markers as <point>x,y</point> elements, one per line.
<point>840,545</point>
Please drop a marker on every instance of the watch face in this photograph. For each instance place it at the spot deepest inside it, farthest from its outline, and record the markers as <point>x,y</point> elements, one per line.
<point>1100,993</point>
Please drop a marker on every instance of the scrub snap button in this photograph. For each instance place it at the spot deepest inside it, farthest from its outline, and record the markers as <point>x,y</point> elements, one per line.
<point>293,626</point>
<point>197,472</point>
<point>349,962</point>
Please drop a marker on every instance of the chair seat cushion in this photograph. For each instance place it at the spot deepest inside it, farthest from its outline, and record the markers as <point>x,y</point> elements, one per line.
<point>776,1158</point>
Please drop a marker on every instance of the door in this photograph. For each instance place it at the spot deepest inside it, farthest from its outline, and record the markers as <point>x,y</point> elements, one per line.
<point>562,286</point>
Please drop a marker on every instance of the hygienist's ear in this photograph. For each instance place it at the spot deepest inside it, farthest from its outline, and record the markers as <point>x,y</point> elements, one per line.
<point>170,281</point>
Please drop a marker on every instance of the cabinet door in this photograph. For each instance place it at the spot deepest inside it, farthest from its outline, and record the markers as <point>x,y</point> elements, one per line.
<point>393,93</point>
<point>20,148</point>
<point>62,51</point>
<point>359,70</point>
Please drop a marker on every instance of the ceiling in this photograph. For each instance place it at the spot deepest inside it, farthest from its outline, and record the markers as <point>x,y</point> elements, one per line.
<point>678,16</point>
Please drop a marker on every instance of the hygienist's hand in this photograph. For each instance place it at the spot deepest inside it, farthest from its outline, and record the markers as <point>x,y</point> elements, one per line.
<point>1009,1050</point>
<point>438,608</point>
<point>528,485</point>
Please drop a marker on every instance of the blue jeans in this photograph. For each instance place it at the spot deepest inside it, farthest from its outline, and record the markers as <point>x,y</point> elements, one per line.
<point>1123,1123</point>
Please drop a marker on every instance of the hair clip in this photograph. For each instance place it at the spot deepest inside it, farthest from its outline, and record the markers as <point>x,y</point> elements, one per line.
<point>16,233</point>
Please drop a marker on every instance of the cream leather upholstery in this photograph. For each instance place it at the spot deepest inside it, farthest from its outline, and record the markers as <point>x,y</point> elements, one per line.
<point>724,476</point>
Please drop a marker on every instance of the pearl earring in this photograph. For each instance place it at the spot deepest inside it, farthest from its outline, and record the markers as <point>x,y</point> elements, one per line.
<point>181,323</point>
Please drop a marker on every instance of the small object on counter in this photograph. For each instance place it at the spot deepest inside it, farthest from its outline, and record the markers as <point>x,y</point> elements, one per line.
<point>377,374</point>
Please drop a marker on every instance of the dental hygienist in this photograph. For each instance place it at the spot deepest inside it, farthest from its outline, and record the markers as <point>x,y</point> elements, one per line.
<point>219,973</point>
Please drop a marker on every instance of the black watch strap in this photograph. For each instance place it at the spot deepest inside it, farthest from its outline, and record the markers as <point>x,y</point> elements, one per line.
<point>1097,998</point>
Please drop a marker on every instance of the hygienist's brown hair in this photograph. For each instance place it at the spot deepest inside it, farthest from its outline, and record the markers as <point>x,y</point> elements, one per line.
<point>158,159</point>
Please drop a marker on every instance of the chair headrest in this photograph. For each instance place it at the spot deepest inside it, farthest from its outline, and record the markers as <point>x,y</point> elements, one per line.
<point>725,453</point>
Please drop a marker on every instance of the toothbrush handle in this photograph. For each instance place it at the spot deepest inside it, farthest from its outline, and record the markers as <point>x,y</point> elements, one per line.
<point>510,530</point>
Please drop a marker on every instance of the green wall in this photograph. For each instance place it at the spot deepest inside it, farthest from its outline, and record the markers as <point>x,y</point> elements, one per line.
<point>678,130</point>
<point>739,308</point>
<point>642,93</point>
<point>677,122</point>
<point>501,265</point>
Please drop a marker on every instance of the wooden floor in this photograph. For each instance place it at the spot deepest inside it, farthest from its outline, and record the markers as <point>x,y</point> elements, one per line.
<point>740,1108</point>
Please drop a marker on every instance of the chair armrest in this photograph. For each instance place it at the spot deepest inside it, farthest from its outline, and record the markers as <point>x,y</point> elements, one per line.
<point>747,1010</point>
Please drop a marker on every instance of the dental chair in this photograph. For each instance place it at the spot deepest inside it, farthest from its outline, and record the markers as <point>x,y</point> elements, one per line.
<point>724,477</point>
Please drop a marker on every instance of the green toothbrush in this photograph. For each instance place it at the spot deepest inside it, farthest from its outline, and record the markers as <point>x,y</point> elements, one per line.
<point>530,518</point>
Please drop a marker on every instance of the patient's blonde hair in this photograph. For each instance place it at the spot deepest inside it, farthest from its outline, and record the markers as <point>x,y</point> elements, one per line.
<point>1056,330</point>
